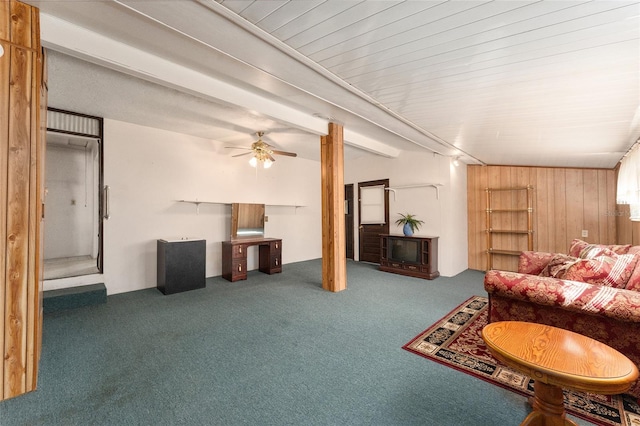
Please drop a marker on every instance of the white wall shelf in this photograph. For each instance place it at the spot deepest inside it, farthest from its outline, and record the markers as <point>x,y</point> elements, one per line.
<point>417,185</point>
<point>198,202</point>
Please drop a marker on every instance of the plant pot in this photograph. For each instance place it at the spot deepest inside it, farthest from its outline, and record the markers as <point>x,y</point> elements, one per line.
<point>407,230</point>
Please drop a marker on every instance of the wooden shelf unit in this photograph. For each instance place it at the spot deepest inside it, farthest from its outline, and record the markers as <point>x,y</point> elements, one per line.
<point>502,211</point>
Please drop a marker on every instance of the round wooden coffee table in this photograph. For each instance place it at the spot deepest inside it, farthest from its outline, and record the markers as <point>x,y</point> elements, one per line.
<point>557,359</point>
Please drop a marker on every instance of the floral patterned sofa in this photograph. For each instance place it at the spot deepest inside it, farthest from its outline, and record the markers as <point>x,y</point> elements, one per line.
<point>594,290</point>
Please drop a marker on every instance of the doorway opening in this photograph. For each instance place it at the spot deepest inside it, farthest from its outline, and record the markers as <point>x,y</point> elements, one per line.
<point>73,202</point>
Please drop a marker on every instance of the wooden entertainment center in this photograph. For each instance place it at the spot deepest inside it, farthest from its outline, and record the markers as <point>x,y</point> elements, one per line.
<point>234,257</point>
<point>413,256</point>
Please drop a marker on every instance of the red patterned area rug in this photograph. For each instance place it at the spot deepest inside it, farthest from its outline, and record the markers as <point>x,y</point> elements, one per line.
<point>456,342</point>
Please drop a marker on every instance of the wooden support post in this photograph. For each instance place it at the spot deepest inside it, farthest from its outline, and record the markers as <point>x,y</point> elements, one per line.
<point>22,126</point>
<point>334,261</point>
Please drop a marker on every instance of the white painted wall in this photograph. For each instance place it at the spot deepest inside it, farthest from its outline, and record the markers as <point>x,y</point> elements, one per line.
<point>71,215</point>
<point>148,170</point>
<point>444,216</point>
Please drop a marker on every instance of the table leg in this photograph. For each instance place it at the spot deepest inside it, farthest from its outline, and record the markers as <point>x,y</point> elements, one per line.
<point>548,407</point>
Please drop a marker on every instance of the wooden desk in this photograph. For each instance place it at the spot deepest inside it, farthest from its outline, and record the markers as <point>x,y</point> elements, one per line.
<point>234,257</point>
<point>556,359</point>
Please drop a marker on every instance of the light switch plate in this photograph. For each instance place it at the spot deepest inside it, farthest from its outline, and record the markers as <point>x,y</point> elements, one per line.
<point>585,233</point>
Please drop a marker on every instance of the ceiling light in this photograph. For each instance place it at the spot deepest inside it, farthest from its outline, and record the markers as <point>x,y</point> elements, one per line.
<point>267,163</point>
<point>253,161</point>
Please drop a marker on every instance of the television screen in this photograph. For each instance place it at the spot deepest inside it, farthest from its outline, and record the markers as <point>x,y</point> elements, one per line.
<point>404,250</point>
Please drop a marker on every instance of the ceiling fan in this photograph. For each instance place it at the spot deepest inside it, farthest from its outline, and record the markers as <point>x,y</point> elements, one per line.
<point>262,152</point>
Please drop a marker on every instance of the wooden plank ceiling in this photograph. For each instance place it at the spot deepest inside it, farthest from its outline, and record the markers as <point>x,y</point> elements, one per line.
<point>538,83</point>
<point>515,82</point>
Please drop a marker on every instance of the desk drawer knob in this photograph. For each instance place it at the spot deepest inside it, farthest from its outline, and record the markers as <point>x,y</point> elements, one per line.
<point>239,268</point>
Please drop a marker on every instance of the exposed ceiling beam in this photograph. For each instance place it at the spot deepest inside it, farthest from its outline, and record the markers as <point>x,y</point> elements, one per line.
<point>82,43</point>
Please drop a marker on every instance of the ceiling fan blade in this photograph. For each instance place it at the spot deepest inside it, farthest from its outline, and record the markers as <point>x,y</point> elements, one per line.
<point>236,147</point>
<point>289,154</point>
<point>271,158</point>
<point>244,153</point>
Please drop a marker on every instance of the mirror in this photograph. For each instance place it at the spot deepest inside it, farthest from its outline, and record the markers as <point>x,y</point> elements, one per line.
<point>247,220</point>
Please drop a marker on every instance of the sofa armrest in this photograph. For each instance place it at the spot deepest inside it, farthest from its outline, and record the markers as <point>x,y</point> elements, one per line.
<point>533,262</point>
<point>593,299</point>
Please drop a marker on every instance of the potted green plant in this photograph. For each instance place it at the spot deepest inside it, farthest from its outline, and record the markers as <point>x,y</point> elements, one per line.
<point>409,223</point>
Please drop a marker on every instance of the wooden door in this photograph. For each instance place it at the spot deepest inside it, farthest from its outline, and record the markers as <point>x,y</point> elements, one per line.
<point>348,220</point>
<point>373,209</point>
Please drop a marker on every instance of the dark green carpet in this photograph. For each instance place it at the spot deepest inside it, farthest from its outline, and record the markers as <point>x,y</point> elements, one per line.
<point>272,350</point>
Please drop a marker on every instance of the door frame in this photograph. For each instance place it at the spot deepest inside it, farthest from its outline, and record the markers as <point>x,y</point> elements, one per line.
<point>97,134</point>
<point>349,222</point>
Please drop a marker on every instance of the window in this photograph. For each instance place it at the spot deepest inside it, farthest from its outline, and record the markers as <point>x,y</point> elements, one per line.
<point>372,205</point>
<point>628,191</point>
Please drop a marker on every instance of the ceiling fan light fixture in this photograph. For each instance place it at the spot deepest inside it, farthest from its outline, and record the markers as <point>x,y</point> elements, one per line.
<point>253,162</point>
<point>267,163</point>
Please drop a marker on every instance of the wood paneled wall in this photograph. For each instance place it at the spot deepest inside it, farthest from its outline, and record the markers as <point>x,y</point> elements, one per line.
<point>565,202</point>
<point>628,232</point>
<point>22,86</point>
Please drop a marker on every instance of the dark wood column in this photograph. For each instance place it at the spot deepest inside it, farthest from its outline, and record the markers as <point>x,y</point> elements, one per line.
<point>334,262</point>
<point>22,106</point>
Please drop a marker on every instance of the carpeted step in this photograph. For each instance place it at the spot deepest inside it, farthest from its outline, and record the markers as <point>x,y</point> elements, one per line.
<point>74,297</point>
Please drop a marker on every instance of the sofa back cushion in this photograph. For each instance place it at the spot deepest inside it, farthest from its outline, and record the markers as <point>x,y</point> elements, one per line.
<point>578,247</point>
<point>605,269</point>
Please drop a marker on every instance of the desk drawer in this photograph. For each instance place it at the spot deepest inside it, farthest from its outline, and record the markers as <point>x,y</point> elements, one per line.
<point>238,251</point>
<point>276,264</point>
<point>276,247</point>
<point>239,270</point>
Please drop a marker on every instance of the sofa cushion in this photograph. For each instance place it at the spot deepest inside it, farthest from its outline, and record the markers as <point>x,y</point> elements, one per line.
<point>558,266</point>
<point>634,280</point>
<point>578,247</point>
<point>620,304</point>
<point>533,262</point>
<point>606,268</point>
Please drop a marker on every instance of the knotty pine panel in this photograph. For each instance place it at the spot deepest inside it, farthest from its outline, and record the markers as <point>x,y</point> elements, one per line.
<point>36,193</point>
<point>21,190</point>
<point>4,154</point>
<point>565,201</point>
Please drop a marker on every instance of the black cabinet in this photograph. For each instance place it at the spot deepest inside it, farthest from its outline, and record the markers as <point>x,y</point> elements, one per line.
<point>181,265</point>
